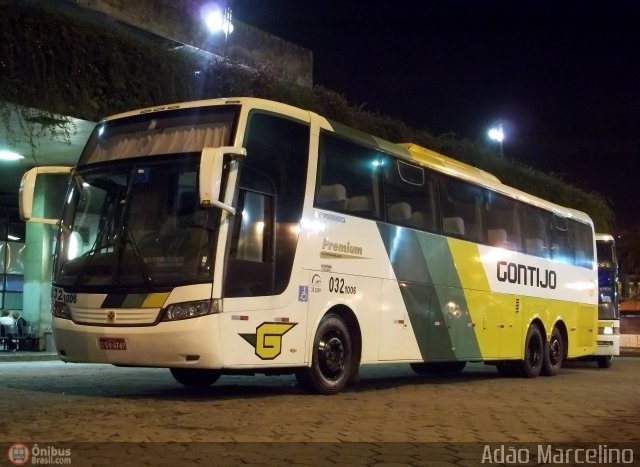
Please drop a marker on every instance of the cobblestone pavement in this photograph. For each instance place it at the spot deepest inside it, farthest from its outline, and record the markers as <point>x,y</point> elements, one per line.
<point>53,402</point>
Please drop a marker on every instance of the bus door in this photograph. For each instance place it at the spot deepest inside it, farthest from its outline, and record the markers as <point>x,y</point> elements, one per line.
<point>263,319</point>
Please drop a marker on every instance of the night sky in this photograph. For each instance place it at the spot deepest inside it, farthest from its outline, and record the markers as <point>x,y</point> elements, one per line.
<point>563,77</point>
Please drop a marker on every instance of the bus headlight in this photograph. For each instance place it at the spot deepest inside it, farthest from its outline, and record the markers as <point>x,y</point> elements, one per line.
<point>607,331</point>
<point>187,310</point>
<point>60,310</point>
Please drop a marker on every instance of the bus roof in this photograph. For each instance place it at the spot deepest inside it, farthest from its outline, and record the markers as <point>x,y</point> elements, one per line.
<point>408,151</point>
<point>447,164</point>
<point>459,169</point>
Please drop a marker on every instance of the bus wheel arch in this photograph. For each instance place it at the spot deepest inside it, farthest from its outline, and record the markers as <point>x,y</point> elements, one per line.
<point>335,353</point>
<point>195,377</point>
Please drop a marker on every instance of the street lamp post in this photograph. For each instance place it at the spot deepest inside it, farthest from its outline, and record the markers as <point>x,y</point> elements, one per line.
<point>218,20</point>
<point>497,134</point>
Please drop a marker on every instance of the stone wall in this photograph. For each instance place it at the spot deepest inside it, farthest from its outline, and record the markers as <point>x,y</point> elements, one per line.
<point>181,21</point>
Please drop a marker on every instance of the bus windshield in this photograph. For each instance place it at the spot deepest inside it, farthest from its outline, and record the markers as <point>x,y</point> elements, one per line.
<point>135,222</point>
<point>607,280</point>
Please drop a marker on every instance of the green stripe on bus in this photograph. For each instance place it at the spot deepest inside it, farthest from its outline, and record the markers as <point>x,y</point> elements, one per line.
<point>134,300</point>
<point>114,300</point>
<point>119,300</point>
<point>432,293</point>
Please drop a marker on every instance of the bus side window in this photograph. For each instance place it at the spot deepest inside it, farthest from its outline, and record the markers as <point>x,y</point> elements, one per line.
<point>410,196</point>
<point>535,221</point>
<point>332,197</point>
<point>348,177</point>
<point>561,249</point>
<point>461,205</point>
<point>250,263</point>
<point>581,237</point>
<point>503,221</point>
<point>252,233</point>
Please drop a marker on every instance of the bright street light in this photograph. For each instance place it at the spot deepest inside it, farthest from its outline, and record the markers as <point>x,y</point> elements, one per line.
<point>218,20</point>
<point>497,134</point>
<point>10,156</point>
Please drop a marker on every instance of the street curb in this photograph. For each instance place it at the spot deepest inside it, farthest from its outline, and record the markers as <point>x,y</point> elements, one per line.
<point>8,357</point>
<point>629,352</point>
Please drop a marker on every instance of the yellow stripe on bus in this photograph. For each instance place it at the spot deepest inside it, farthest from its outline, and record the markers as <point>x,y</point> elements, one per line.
<point>155,300</point>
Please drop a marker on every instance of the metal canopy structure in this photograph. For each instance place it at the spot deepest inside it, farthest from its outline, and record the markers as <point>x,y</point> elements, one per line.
<point>39,145</point>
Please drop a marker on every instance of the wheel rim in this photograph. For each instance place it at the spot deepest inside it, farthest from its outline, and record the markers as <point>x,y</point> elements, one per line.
<point>332,356</point>
<point>555,351</point>
<point>535,355</point>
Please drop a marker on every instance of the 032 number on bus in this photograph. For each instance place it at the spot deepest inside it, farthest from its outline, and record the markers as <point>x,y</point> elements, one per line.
<point>337,285</point>
<point>58,295</point>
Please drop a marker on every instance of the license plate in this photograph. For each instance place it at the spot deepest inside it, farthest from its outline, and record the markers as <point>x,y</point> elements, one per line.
<point>113,343</point>
<point>605,343</point>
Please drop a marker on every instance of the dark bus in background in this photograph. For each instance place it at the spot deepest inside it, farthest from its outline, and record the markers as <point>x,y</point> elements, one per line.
<point>608,309</point>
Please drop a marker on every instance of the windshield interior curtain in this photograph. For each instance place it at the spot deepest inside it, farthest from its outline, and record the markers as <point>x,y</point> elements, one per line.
<point>181,139</point>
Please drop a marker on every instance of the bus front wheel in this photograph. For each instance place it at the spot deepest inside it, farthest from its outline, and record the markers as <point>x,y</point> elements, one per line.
<point>332,361</point>
<point>605,361</point>
<point>195,377</point>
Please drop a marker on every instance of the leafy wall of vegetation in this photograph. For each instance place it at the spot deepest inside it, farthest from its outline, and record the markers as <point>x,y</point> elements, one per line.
<point>87,68</point>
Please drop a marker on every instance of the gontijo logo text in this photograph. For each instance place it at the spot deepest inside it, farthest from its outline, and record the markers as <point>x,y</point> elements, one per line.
<point>521,274</point>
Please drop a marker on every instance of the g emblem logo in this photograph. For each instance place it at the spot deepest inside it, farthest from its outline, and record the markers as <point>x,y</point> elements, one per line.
<point>111,316</point>
<point>268,339</point>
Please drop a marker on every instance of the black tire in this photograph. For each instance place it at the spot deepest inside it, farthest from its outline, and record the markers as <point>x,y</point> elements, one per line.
<point>437,368</point>
<point>605,361</point>
<point>531,365</point>
<point>332,359</point>
<point>195,377</point>
<point>554,352</point>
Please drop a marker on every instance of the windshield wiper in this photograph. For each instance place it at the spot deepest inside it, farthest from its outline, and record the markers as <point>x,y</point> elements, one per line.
<point>97,246</point>
<point>144,269</point>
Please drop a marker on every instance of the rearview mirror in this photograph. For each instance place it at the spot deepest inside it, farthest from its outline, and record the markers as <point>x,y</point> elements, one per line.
<point>211,176</point>
<point>27,189</point>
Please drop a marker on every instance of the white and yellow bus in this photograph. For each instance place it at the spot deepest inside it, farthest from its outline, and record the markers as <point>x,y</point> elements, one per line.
<point>248,236</point>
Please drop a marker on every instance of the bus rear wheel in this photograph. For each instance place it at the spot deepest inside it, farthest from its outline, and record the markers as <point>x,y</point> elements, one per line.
<point>437,368</point>
<point>531,365</point>
<point>195,377</point>
<point>332,360</point>
<point>554,352</point>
